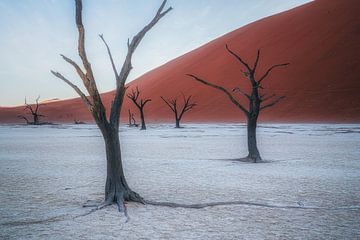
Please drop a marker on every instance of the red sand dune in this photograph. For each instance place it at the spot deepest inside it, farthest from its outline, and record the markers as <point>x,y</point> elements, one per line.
<point>321,40</point>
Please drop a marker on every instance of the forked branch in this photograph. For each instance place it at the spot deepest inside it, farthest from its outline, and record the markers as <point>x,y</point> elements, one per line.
<point>126,68</point>
<point>171,103</point>
<point>134,95</point>
<point>127,65</point>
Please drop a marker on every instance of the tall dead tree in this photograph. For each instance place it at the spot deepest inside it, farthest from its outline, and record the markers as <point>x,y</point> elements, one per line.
<point>134,96</point>
<point>117,189</point>
<point>179,113</point>
<point>256,101</point>
<point>34,111</point>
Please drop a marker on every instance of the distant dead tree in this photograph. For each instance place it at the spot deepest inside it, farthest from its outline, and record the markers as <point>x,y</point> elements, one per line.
<point>132,121</point>
<point>117,189</point>
<point>134,96</point>
<point>177,110</point>
<point>79,122</point>
<point>34,111</point>
<point>257,102</point>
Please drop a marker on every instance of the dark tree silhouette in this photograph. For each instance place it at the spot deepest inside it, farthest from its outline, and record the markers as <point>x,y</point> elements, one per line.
<point>132,121</point>
<point>134,96</point>
<point>117,189</point>
<point>79,122</point>
<point>256,101</point>
<point>34,111</point>
<point>179,111</point>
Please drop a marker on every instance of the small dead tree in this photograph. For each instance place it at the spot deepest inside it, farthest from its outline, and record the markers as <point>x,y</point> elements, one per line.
<point>79,122</point>
<point>34,111</point>
<point>257,102</point>
<point>179,113</point>
<point>117,189</point>
<point>134,96</point>
<point>132,121</point>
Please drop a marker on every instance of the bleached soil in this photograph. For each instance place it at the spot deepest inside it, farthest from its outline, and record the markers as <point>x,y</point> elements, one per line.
<point>48,172</point>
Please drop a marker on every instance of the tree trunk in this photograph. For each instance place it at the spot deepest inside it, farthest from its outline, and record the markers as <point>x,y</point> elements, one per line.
<point>177,122</point>
<point>130,124</point>
<point>36,119</point>
<point>143,126</point>
<point>116,187</point>
<point>252,144</point>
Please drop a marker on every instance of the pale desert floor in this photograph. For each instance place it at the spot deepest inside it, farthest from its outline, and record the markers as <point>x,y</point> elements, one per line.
<point>48,172</point>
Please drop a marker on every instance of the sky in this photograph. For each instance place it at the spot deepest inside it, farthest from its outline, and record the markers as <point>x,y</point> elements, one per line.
<point>35,32</point>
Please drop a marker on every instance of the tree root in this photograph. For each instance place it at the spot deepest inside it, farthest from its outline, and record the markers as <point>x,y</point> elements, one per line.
<point>122,207</point>
<point>213,204</point>
<point>120,201</point>
<point>40,221</point>
<point>249,159</point>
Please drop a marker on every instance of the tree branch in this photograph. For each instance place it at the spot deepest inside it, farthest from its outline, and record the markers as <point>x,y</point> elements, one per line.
<point>79,71</point>
<point>168,103</point>
<point>98,109</point>
<point>263,99</point>
<point>81,94</point>
<point>37,106</point>
<point>270,69</point>
<point>127,66</point>
<point>81,41</point>
<point>111,58</point>
<point>257,60</point>
<point>187,105</point>
<point>28,106</point>
<point>134,96</point>
<point>237,89</point>
<point>23,117</point>
<point>272,103</point>
<point>146,101</point>
<point>233,100</point>
<point>238,58</point>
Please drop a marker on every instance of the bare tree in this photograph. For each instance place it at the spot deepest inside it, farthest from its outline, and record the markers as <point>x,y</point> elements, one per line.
<point>34,111</point>
<point>132,121</point>
<point>79,122</point>
<point>117,189</point>
<point>179,113</point>
<point>134,96</point>
<point>256,101</point>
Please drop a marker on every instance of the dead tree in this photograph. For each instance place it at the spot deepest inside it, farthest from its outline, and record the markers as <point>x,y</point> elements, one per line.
<point>79,122</point>
<point>117,189</point>
<point>134,96</point>
<point>257,102</point>
<point>132,121</point>
<point>179,113</point>
<point>34,111</point>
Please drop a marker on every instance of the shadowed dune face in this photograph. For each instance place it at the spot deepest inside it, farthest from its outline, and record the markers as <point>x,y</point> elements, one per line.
<point>319,39</point>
